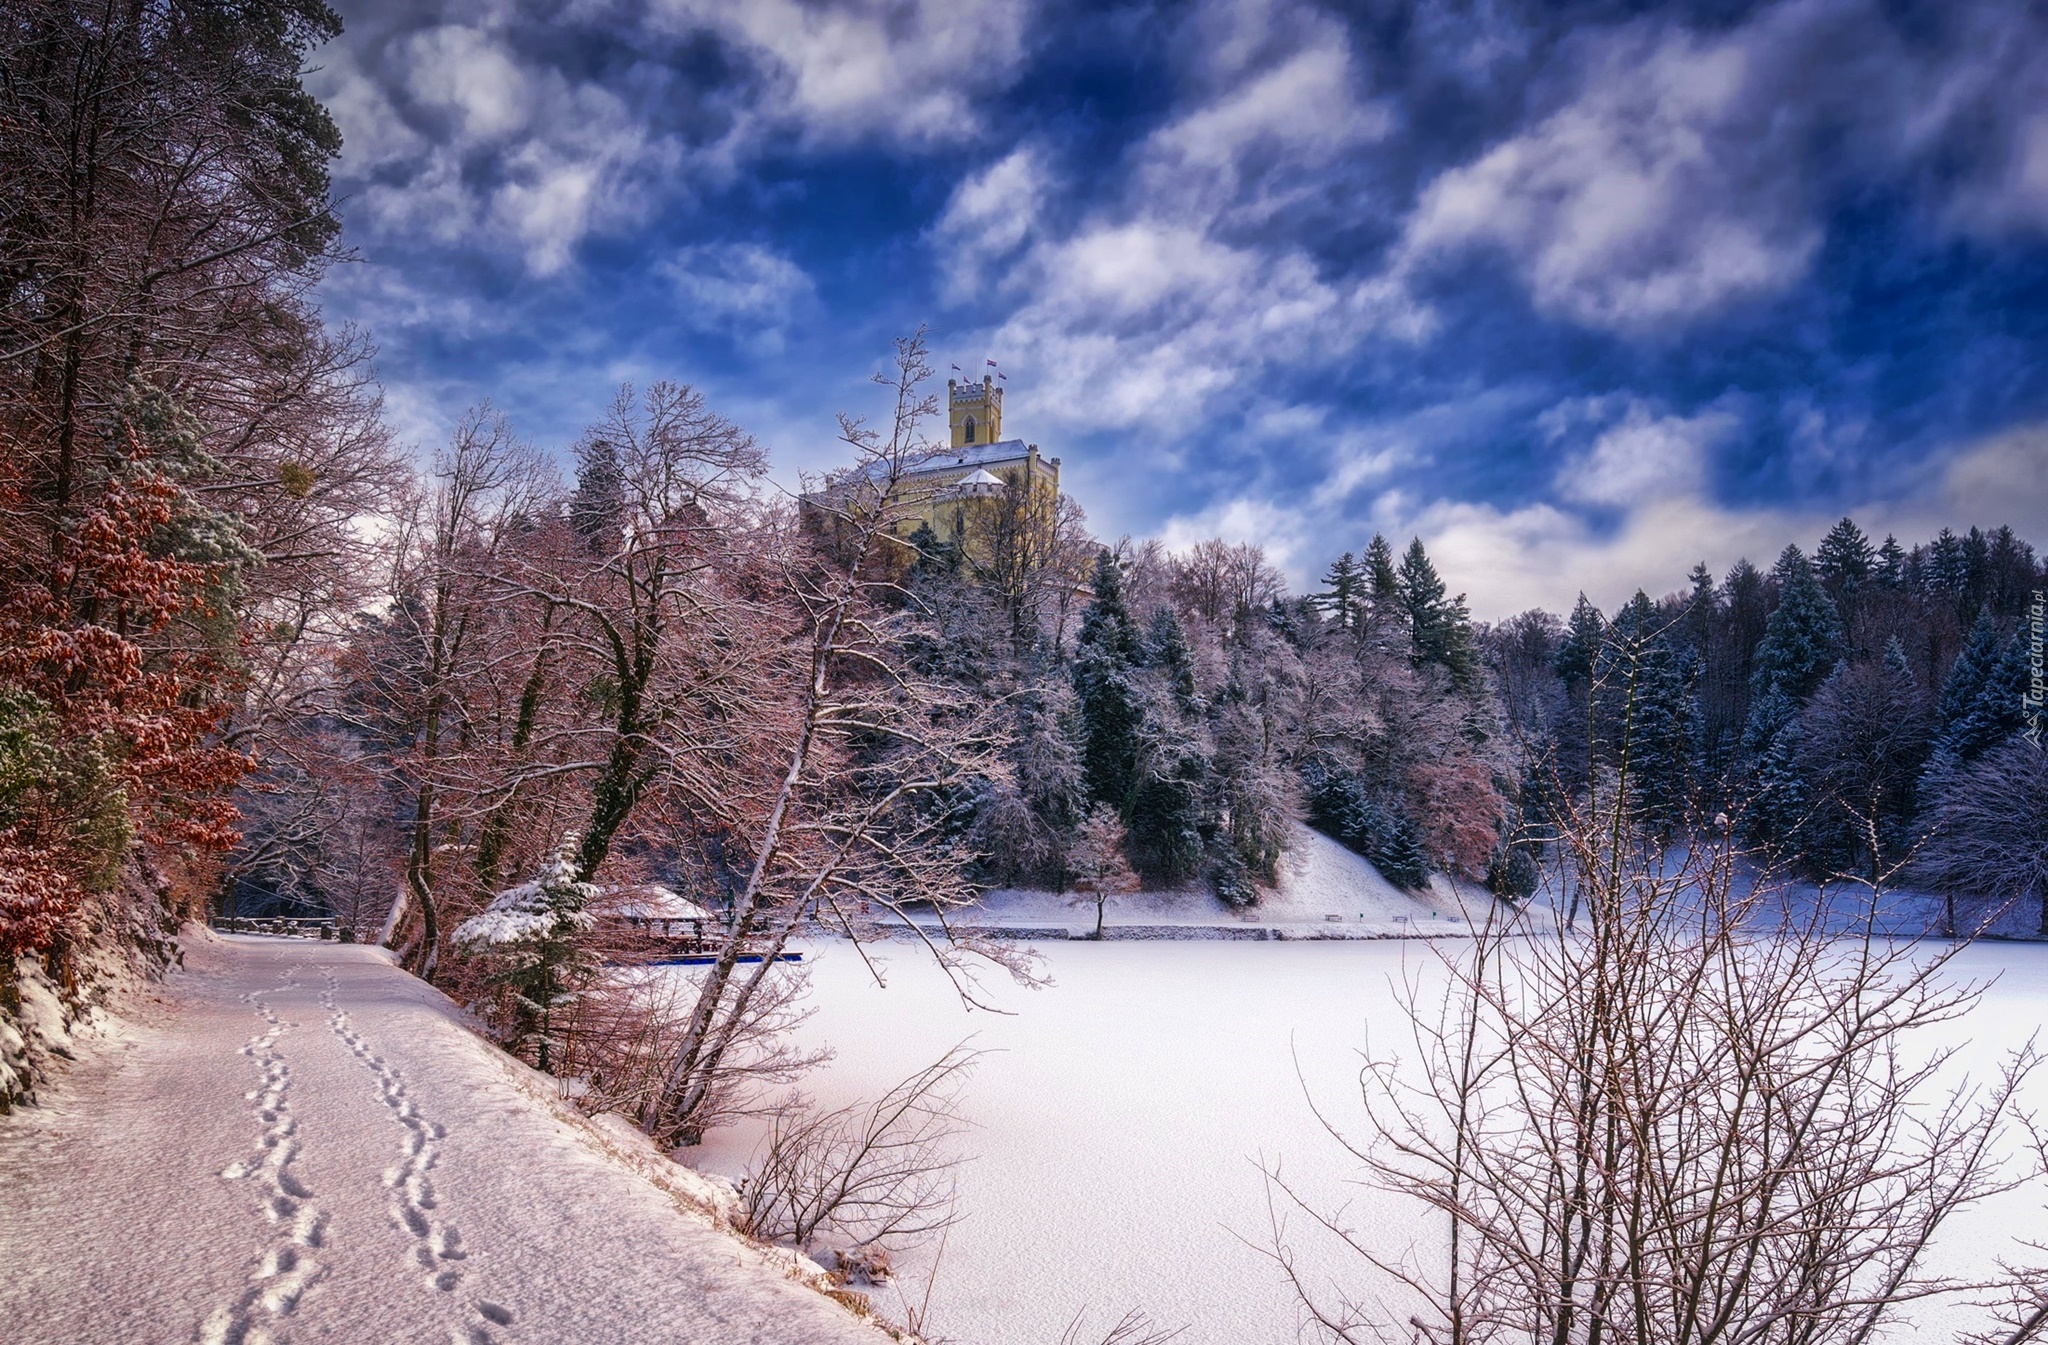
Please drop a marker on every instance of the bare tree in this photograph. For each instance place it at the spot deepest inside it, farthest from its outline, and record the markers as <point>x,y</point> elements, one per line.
<point>874,1173</point>
<point>1096,861</point>
<point>863,743</point>
<point>1133,1328</point>
<point>452,534</point>
<point>619,1040</point>
<point>1715,1114</point>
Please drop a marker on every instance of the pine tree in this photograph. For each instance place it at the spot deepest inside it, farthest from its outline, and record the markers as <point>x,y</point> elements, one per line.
<point>1581,644</point>
<point>1166,648</point>
<point>1439,629</point>
<point>1401,860</point>
<point>1947,570</point>
<point>1342,592</point>
<point>1702,606</point>
<point>597,509</point>
<point>1996,712</point>
<point>1802,638</point>
<point>1966,679</point>
<point>1845,561</point>
<point>1166,809</point>
<point>1891,564</point>
<point>1106,657</point>
<point>1645,713</point>
<point>532,937</point>
<point>1385,613</point>
<point>1775,742</point>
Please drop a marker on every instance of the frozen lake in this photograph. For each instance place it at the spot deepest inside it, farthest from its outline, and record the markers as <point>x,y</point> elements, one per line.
<point>1122,1112</point>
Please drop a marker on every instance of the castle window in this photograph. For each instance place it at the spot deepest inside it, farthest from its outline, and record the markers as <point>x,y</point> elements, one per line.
<point>968,428</point>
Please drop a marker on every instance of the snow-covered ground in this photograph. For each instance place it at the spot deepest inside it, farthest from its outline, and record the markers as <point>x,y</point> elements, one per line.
<point>306,1143</point>
<point>1122,1114</point>
<point>1324,890</point>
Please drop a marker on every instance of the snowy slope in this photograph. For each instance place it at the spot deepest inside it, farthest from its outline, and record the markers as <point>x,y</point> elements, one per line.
<point>1318,879</point>
<point>309,1145</point>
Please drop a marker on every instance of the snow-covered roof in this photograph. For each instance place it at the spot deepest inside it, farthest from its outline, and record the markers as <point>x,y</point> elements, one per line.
<point>652,902</point>
<point>949,460</point>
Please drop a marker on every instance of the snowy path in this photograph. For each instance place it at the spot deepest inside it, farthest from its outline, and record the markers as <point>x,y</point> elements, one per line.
<point>309,1146</point>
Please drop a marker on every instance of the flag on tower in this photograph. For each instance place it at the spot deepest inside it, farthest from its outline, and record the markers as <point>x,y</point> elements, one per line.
<point>958,370</point>
<point>991,364</point>
<point>1002,377</point>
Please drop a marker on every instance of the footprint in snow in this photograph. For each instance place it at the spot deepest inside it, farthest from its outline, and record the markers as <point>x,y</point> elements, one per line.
<point>286,1268</point>
<point>437,1246</point>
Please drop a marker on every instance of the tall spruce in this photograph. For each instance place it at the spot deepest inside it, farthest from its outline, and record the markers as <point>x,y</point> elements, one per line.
<point>1803,637</point>
<point>1644,716</point>
<point>1439,629</point>
<point>1343,589</point>
<point>1996,712</point>
<point>1845,561</point>
<point>1106,658</point>
<point>1966,681</point>
<point>1581,645</point>
<point>597,508</point>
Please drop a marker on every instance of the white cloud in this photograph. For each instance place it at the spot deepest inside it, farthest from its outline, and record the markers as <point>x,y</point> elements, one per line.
<point>1272,527</point>
<point>467,71</point>
<point>1687,172</point>
<point>989,217</point>
<point>1543,555</point>
<point>1647,475</point>
<point>1645,457</point>
<point>1166,292</point>
<point>910,69</point>
<point>494,149</point>
<point>737,283</point>
<point>1665,190</point>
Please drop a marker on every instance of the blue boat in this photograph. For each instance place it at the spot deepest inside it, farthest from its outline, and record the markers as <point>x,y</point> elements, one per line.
<point>706,959</point>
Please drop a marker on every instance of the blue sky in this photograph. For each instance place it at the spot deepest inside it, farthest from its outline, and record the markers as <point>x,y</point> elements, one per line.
<point>1580,293</point>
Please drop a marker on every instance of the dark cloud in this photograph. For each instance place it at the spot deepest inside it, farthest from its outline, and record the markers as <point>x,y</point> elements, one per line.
<point>1574,274</point>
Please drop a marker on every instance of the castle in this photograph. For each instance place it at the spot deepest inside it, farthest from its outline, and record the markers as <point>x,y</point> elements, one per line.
<point>967,482</point>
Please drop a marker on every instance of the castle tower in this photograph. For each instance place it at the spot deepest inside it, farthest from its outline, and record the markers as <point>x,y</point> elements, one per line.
<point>974,412</point>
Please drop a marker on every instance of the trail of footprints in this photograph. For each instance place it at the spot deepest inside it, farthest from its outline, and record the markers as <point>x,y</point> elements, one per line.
<point>437,1246</point>
<point>287,1267</point>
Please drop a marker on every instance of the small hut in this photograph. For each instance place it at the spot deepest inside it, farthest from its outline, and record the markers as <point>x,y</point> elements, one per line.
<point>654,911</point>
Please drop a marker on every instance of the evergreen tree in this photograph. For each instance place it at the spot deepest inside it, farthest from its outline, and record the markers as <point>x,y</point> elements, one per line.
<point>1866,739</point>
<point>1891,564</point>
<point>1996,712</point>
<point>1947,570</point>
<point>1166,808</point>
<point>934,557</point>
<point>1775,742</point>
<point>1439,629</point>
<point>1344,807</point>
<point>1344,586</point>
<point>1401,860</point>
<point>1645,714</point>
<point>597,509</point>
<point>1385,611</point>
<point>1802,638</point>
<point>1845,561</point>
<point>1702,606</point>
<point>1582,639</point>
<point>1966,680</point>
<point>532,939</point>
<point>1895,659</point>
<point>1166,648</point>
<point>1106,658</point>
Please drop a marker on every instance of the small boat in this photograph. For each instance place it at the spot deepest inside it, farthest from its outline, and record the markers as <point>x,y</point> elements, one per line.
<point>706,959</point>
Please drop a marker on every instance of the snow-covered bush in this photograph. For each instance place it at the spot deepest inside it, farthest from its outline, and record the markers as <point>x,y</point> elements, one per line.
<point>532,937</point>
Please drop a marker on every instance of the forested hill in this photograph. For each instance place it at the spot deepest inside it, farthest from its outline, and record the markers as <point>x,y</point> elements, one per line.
<point>254,658</point>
